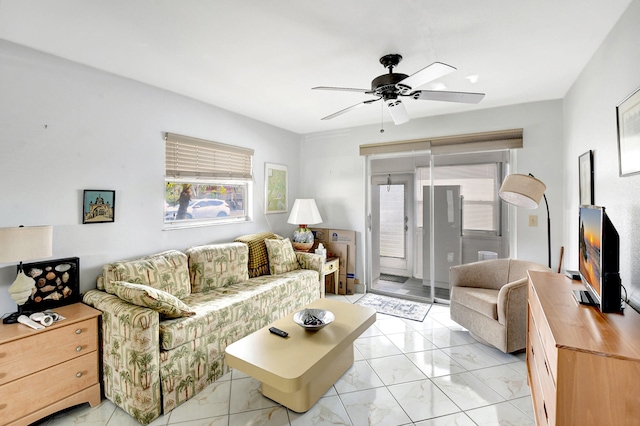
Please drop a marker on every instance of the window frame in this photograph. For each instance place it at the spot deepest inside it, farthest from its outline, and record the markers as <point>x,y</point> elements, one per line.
<point>211,168</point>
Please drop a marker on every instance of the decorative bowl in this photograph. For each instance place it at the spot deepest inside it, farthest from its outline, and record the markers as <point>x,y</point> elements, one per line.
<point>302,246</point>
<point>313,319</point>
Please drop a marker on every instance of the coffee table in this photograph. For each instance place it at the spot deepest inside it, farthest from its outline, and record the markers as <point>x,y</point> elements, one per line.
<point>297,370</point>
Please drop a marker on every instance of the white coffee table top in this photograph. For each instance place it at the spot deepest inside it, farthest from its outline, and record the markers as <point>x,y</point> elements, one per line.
<point>289,363</point>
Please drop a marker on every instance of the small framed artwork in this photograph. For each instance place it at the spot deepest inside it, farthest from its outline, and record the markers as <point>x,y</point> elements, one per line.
<point>628,115</point>
<point>98,206</point>
<point>276,191</point>
<point>57,284</point>
<point>585,169</point>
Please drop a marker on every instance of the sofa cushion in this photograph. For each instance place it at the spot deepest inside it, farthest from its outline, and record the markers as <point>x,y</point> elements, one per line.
<point>142,295</point>
<point>282,258</point>
<point>167,271</point>
<point>258,257</point>
<point>217,265</point>
<point>482,300</point>
<point>251,304</point>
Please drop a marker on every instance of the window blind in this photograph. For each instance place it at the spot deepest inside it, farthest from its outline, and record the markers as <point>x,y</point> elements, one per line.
<point>474,142</point>
<point>187,157</point>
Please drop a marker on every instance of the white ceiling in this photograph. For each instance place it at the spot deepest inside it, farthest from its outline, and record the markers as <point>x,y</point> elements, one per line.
<point>260,58</point>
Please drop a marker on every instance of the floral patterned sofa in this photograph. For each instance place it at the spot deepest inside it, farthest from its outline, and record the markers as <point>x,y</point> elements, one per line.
<point>167,318</point>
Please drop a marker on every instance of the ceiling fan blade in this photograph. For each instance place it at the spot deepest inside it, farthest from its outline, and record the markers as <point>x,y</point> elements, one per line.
<point>335,114</point>
<point>440,95</point>
<point>342,89</point>
<point>425,75</point>
<point>398,111</point>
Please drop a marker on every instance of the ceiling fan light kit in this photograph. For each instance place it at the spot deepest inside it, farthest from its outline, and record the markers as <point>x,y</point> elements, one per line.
<point>390,86</point>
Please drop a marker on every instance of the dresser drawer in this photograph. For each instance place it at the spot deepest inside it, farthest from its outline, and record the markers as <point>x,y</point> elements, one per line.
<point>544,332</point>
<point>39,351</point>
<point>539,406</point>
<point>538,362</point>
<point>48,386</point>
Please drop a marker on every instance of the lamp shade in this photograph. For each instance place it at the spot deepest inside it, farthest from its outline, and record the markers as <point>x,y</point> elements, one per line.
<point>522,191</point>
<point>304,212</point>
<point>25,243</point>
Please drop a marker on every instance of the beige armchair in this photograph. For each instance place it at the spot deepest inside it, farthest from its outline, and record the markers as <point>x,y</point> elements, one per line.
<point>489,299</point>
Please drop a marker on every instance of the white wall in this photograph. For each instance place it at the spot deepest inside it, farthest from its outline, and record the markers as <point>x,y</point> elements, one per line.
<point>590,123</point>
<point>333,171</point>
<point>66,128</point>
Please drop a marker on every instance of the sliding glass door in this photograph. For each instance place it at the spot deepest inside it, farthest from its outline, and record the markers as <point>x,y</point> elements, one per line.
<point>429,213</point>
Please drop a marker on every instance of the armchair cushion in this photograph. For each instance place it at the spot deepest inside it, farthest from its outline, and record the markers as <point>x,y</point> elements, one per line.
<point>482,300</point>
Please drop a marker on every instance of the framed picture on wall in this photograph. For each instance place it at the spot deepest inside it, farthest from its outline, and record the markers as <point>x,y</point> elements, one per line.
<point>628,114</point>
<point>98,206</point>
<point>585,169</point>
<point>276,188</point>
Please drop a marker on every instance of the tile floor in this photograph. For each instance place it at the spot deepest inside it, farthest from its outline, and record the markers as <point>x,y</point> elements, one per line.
<point>429,373</point>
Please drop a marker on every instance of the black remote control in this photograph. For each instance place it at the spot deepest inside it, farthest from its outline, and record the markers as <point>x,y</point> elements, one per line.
<point>278,332</point>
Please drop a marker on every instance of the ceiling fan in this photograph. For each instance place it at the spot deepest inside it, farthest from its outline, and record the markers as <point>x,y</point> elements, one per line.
<point>392,86</point>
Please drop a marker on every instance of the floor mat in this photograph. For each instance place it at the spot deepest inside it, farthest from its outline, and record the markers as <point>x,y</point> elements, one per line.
<point>393,278</point>
<point>408,309</point>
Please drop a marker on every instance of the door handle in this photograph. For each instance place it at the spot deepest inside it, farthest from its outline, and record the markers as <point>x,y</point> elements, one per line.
<point>461,215</point>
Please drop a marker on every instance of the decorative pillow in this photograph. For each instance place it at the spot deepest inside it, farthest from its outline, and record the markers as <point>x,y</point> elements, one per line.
<point>142,295</point>
<point>282,258</point>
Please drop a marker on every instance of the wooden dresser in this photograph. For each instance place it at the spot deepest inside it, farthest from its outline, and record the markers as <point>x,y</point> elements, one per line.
<point>45,371</point>
<point>583,365</point>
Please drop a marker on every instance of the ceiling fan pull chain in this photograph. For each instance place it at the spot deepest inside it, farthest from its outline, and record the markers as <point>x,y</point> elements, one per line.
<point>381,118</point>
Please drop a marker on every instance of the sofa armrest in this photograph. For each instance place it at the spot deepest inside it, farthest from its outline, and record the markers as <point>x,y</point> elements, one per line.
<point>312,261</point>
<point>130,354</point>
<point>512,303</point>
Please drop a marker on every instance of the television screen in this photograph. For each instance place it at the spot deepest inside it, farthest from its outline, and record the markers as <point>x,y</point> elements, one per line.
<point>590,236</point>
<point>599,260</point>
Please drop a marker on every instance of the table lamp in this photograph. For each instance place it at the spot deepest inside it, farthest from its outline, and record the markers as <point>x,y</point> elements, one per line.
<point>526,191</point>
<point>304,212</point>
<point>19,244</point>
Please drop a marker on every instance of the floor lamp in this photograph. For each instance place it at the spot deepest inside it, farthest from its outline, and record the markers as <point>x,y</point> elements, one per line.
<point>526,191</point>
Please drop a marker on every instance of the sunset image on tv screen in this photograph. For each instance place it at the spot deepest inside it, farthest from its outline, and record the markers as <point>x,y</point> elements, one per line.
<point>590,232</point>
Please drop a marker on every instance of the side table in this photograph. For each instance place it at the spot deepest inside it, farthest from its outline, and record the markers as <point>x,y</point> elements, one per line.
<point>45,371</point>
<point>331,266</point>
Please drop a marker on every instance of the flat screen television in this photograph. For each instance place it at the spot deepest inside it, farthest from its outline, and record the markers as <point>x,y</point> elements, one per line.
<point>599,260</point>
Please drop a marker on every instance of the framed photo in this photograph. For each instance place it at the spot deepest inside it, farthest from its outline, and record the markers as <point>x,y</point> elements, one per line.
<point>276,188</point>
<point>98,206</point>
<point>585,169</point>
<point>628,114</point>
<point>57,284</point>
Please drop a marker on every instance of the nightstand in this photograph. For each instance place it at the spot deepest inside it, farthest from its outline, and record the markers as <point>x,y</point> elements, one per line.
<point>331,266</point>
<point>45,371</point>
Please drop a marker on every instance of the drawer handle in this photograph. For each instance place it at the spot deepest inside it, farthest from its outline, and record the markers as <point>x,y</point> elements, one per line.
<point>546,366</point>
<point>78,331</point>
<point>79,374</point>
<point>79,348</point>
<point>544,407</point>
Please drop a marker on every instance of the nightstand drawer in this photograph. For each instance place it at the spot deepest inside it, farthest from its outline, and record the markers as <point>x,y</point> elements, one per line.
<point>330,266</point>
<point>48,386</point>
<point>44,349</point>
